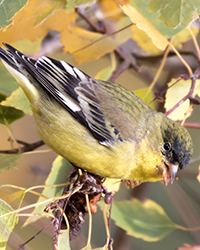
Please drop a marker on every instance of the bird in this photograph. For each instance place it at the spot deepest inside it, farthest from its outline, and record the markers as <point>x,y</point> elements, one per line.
<point>99,126</point>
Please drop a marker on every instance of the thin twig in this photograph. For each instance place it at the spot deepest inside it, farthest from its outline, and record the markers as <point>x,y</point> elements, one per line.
<point>33,237</point>
<point>181,59</point>
<point>101,38</point>
<point>155,58</point>
<point>192,125</point>
<point>159,69</point>
<point>195,42</point>
<point>189,95</point>
<point>12,138</point>
<point>95,26</point>
<point>124,56</point>
<point>158,96</point>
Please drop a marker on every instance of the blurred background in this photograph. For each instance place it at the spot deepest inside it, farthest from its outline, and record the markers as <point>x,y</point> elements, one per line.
<point>181,201</point>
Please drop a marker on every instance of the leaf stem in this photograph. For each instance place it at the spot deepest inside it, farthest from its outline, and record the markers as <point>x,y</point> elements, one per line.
<point>106,224</point>
<point>13,139</point>
<point>40,203</point>
<point>181,58</point>
<point>159,69</point>
<point>187,229</point>
<point>195,42</point>
<point>90,220</point>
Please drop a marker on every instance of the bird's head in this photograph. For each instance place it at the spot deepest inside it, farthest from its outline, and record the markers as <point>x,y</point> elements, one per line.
<point>176,148</point>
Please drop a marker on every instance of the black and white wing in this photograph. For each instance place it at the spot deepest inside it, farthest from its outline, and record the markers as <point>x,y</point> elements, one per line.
<point>73,89</point>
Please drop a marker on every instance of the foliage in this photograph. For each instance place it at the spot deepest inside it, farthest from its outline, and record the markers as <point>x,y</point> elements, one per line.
<point>137,34</point>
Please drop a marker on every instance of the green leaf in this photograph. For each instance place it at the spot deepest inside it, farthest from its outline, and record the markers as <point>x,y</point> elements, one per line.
<point>63,240</point>
<point>8,8</point>
<point>13,199</point>
<point>8,84</point>
<point>7,223</point>
<point>176,13</point>
<point>18,100</point>
<point>146,220</point>
<point>58,175</point>
<point>153,17</point>
<point>9,114</point>
<point>8,161</point>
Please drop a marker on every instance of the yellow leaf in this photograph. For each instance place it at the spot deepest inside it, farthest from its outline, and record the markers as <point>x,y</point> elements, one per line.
<point>110,10</point>
<point>175,94</point>
<point>37,9</point>
<point>23,26</point>
<point>142,23</point>
<point>144,41</point>
<point>86,45</point>
<point>183,36</point>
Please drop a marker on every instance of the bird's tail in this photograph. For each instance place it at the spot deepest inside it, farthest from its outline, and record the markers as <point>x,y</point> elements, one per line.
<point>12,59</point>
<point>9,56</point>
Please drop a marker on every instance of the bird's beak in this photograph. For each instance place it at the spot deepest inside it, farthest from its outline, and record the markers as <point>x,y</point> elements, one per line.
<point>170,171</point>
<point>173,169</point>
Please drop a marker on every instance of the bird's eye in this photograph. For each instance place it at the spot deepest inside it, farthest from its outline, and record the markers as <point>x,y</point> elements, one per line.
<point>167,146</point>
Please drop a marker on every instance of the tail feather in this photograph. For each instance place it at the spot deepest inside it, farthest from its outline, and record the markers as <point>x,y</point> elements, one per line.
<point>7,57</point>
<point>12,59</point>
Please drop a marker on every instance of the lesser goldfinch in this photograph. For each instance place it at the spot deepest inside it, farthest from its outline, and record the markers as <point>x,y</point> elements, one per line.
<point>99,126</point>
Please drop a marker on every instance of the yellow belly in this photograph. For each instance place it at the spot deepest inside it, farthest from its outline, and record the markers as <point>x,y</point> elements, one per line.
<point>67,137</point>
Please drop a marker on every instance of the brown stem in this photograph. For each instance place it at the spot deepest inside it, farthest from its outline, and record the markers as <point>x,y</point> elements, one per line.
<point>189,95</point>
<point>191,125</point>
<point>155,58</point>
<point>28,147</point>
<point>121,68</point>
<point>95,26</point>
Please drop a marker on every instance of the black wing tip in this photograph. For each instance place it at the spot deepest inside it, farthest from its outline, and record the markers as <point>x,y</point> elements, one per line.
<point>8,46</point>
<point>11,49</point>
<point>5,45</point>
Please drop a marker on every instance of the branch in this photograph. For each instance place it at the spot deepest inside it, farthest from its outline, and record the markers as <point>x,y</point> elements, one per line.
<point>27,147</point>
<point>155,58</point>
<point>96,27</point>
<point>190,94</point>
<point>191,125</point>
<point>121,68</point>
